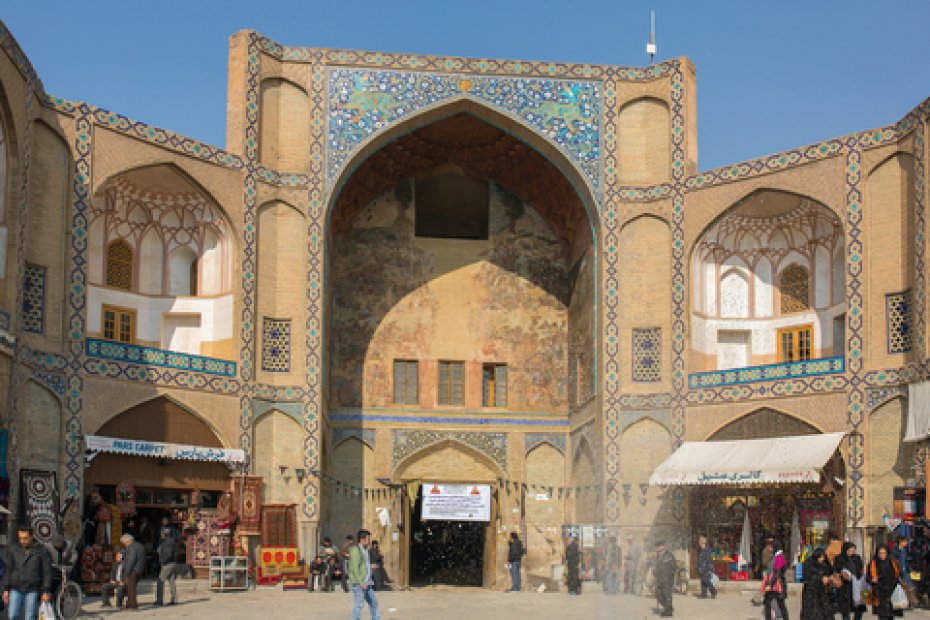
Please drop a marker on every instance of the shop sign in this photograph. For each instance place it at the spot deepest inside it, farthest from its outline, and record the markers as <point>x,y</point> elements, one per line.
<point>456,502</point>
<point>132,447</point>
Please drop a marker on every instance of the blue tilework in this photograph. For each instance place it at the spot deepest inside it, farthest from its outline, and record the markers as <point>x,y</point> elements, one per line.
<point>768,372</point>
<point>159,357</point>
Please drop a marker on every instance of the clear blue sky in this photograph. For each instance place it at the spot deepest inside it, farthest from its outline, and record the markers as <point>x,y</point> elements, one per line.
<point>771,75</point>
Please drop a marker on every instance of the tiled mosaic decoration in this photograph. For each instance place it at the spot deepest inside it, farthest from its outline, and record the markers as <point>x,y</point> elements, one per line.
<point>365,435</point>
<point>898,321</point>
<point>159,357</point>
<point>767,372</point>
<point>276,345</point>
<point>33,314</point>
<point>556,440</point>
<point>363,102</point>
<point>493,445</point>
<point>647,348</point>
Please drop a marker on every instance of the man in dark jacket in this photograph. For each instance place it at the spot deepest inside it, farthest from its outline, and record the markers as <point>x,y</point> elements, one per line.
<point>28,576</point>
<point>133,566</point>
<point>705,566</point>
<point>665,578</point>
<point>168,559</point>
<point>515,553</point>
<point>115,584</point>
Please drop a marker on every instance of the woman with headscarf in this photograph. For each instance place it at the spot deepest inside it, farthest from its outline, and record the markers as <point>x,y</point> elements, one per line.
<point>815,597</point>
<point>774,584</point>
<point>884,575</point>
<point>848,564</point>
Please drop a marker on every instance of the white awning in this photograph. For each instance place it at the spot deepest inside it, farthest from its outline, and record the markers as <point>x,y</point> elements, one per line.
<point>918,411</point>
<point>778,460</point>
<point>135,447</point>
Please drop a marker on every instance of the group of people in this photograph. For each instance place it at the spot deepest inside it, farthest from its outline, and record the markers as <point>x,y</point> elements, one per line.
<point>129,566</point>
<point>331,566</point>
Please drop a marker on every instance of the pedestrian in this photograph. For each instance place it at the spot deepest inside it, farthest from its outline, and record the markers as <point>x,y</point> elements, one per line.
<point>360,577</point>
<point>168,560</point>
<point>515,553</point>
<point>115,584</point>
<point>611,567</point>
<point>849,566</point>
<point>815,595</point>
<point>768,552</point>
<point>666,565</point>
<point>28,576</point>
<point>573,566</point>
<point>705,567</point>
<point>344,554</point>
<point>378,574</point>
<point>901,555</point>
<point>775,585</point>
<point>884,575</point>
<point>634,554</point>
<point>327,548</point>
<point>318,575</point>
<point>133,566</point>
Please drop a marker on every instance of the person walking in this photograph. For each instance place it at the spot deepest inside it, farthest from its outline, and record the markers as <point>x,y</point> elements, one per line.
<point>775,585</point>
<point>849,566</point>
<point>705,566</point>
<point>884,575</point>
<point>666,565</point>
<point>133,567</point>
<point>115,585</point>
<point>515,553</point>
<point>360,577</point>
<point>573,566</point>
<point>378,574</point>
<point>28,576</point>
<point>634,554</point>
<point>815,595</point>
<point>168,560</point>
<point>344,554</point>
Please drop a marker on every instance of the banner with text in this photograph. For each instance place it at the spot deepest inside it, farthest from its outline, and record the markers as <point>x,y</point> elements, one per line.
<point>456,502</point>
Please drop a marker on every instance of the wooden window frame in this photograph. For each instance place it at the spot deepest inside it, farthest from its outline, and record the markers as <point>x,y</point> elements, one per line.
<point>492,400</point>
<point>795,332</point>
<point>450,397</point>
<point>118,311</point>
<point>404,398</point>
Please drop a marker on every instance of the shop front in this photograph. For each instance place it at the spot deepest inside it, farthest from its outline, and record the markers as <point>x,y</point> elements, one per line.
<point>740,493</point>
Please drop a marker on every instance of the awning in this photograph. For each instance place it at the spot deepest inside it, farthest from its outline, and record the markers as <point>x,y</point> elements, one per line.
<point>918,411</point>
<point>135,447</point>
<point>779,460</point>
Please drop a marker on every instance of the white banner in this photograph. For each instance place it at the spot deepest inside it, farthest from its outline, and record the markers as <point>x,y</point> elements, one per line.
<point>456,502</point>
<point>134,447</point>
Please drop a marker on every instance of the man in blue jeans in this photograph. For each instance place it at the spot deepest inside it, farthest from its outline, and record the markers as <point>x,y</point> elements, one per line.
<point>360,577</point>
<point>28,576</point>
<point>515,553</point>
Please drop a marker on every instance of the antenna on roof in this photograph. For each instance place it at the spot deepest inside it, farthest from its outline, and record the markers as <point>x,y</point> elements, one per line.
<point>651,46</point>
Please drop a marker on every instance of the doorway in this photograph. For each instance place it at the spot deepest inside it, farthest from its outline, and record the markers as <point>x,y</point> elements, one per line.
<point>446,552</point>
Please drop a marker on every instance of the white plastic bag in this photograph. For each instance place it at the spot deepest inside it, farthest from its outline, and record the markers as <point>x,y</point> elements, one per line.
<point>714,580</point>
<point>46,612</point>
<point>899,598</point>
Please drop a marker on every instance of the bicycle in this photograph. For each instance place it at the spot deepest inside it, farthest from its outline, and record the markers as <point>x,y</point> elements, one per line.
<point>70,598</point>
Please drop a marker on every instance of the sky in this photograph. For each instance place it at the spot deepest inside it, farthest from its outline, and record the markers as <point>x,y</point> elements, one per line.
<point>771,75</point>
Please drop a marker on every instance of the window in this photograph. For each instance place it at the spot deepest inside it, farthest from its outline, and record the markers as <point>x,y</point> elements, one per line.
<point>795,343</point>
<point>119,324</point>
<point>647,347</point>
<point>450,205</point>
<point>276,345</point>
<point>119,265</point>
<point>494,385</point>
<point>33,314</point>
<point>794,284</point>
<point>405,382</point>
<point>451,380</point>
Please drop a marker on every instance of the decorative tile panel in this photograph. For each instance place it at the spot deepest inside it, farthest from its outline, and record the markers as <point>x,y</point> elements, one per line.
<point>898,318</point>
<point>33,308</point>
<point>556,440</point>
<point>767,372</point>
<point>261,407</point>
<point>108,349</point>
<point>363,102</point>
<point>492,445</point>
<point>154,375</point>
<point>276,345</point>
<point>647,354</point>
<point>365,435</point>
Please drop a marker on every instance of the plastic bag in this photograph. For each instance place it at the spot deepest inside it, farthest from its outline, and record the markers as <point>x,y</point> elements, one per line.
<point>714,580</point>
<point>899,598</point>
<point>857,586</point>
<point>46,612</point>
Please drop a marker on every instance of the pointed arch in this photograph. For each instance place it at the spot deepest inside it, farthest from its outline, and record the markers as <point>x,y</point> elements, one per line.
<point>763,422</point>
<point>120,264</point>
<point>400,469</point>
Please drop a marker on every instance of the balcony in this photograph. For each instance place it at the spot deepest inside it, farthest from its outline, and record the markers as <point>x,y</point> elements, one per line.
<point>107,349</point>
<point>767,372</point>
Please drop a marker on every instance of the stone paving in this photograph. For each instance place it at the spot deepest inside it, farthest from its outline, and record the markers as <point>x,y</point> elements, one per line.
<point>445,604</point>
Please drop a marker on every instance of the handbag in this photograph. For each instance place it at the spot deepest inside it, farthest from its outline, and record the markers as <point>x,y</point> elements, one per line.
<point>899,598</point>
<point>46,612</point>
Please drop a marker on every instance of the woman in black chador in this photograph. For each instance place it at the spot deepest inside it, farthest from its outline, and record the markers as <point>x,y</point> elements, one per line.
<point>573,566</point>
<point>849,565</point>
<point>884,575</point>
<point>815,597</point>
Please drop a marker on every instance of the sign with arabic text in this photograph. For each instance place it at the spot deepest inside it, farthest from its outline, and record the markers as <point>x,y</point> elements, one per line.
<point>135,447</point>
<point>456,502</point>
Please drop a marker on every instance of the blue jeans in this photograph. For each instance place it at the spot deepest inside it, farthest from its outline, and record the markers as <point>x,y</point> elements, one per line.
<point>364,596</point>
<point>18,599</point>
<point>515,584</point>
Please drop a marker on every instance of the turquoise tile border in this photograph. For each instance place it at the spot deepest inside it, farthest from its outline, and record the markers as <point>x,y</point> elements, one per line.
<point>768,372</point>
<point>159,357</point>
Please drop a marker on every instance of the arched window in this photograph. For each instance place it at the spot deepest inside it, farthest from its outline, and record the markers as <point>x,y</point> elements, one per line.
<point>794,284</point>
<point>119,265</point>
